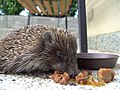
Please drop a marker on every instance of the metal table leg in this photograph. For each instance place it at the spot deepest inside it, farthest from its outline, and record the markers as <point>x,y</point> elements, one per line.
<point>82,26</point>
<point>28,21</point>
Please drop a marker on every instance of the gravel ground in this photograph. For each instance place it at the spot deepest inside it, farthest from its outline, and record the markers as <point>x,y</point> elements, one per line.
<point>23,82</point>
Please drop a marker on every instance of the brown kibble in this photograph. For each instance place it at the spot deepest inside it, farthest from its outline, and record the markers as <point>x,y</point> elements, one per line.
<point>56,76</point>
<point>85,77</point>
<point>82,77</point>
<point>105,74</point>
<point>66,76</point>
<point>80,80</point>
<point>60,78</point>
<point>113,75</point>
<point>91,81</point>
<point>63,81</point>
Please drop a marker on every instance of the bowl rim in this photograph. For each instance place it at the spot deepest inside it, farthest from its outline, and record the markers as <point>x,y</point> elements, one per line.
<point>95,56</point>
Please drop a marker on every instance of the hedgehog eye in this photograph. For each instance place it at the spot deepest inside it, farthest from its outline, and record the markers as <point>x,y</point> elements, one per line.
<point>60,54</point>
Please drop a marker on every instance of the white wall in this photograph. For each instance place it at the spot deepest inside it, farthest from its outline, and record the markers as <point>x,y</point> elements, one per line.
<point>106,16</point>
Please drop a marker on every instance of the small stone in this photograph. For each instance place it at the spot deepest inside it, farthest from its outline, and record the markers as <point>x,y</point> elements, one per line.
<point>13,80</point>
<point>72,84</point>
<point>1,79</point>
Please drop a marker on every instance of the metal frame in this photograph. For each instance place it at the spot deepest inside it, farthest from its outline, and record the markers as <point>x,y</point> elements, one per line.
<point>82,26</point>
<point>28,20</point>
<point>66,23</point>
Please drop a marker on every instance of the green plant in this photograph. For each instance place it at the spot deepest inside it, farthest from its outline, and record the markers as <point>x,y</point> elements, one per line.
<point>73,8</point>
<point>10,7</point>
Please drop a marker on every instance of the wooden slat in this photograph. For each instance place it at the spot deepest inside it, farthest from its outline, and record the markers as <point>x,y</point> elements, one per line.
<point>32,5</point>
<point>62,8</point>
<point>68,5</point>
<point>55,7</point>
<point>38,2</point>
<point>47,5</point>
<point>24,4</point>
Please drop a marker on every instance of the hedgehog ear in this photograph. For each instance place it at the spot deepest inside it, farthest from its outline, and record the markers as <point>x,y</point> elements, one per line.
<point>48,37</point>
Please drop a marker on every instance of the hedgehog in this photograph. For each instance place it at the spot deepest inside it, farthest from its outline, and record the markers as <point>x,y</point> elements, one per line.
<point>38,48</point>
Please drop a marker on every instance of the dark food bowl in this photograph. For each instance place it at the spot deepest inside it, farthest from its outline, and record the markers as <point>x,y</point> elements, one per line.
<point>95,61</point>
